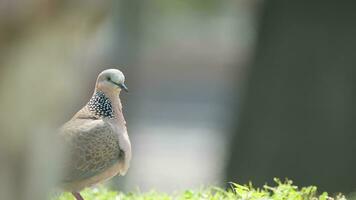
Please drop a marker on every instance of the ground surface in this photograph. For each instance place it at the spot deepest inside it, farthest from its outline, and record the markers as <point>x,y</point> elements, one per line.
<point>280,191</point>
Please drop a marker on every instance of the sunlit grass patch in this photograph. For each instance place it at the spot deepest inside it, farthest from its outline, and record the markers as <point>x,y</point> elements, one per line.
<point>281,191</point>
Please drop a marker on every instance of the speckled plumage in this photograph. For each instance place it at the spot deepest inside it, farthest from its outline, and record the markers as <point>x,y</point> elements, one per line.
<point>100,105</point>
<point>96,139</point>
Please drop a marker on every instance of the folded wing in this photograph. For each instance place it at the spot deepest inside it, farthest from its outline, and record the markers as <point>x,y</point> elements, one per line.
<point>93,147</point>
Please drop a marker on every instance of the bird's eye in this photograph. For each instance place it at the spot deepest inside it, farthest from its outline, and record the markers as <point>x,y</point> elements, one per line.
<point>109,79</point>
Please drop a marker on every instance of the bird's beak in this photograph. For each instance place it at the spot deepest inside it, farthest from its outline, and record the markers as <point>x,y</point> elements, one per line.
<point>124,87</point>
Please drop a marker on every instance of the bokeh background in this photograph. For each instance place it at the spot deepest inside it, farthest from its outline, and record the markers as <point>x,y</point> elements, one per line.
<point>232,90</point>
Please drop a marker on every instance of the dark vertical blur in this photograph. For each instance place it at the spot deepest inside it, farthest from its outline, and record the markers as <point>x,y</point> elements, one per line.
<point>298,111</point>
<point>124,54</point>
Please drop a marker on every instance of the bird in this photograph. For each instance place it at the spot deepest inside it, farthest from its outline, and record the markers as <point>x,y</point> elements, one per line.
<point>97,145</point>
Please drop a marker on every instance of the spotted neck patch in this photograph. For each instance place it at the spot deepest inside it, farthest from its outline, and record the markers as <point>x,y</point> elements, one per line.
<point>100,105</point>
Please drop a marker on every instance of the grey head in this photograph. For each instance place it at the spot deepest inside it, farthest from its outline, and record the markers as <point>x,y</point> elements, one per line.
<point>111,79</point>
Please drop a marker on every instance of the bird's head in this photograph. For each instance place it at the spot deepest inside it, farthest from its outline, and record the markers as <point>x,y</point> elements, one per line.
<point>111,80</point>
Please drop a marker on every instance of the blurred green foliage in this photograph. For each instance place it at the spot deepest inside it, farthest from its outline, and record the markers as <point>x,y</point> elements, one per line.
<point>281,191</point>
<point>202,6</point>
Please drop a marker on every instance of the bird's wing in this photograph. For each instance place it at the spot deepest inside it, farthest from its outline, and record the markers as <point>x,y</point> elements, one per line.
<point>93,147</point>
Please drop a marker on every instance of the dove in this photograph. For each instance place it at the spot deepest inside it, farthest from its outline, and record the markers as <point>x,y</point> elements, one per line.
<point>96,139</point>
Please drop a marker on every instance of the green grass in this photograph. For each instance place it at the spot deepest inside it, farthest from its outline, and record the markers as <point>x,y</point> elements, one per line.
<point>281,191</point>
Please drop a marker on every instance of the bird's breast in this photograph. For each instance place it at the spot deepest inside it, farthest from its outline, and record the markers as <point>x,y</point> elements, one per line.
<point>124,143</point>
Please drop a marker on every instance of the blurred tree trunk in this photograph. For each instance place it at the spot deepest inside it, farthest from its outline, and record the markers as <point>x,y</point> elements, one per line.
<point>126,43</point>
<point>298,112</point>
<point>125,56</point>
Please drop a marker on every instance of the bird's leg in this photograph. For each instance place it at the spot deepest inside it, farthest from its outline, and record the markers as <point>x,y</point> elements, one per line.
<point>77,196</point>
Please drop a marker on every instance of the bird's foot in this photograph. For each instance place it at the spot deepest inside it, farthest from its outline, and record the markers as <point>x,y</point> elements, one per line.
<point>77,196</point>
